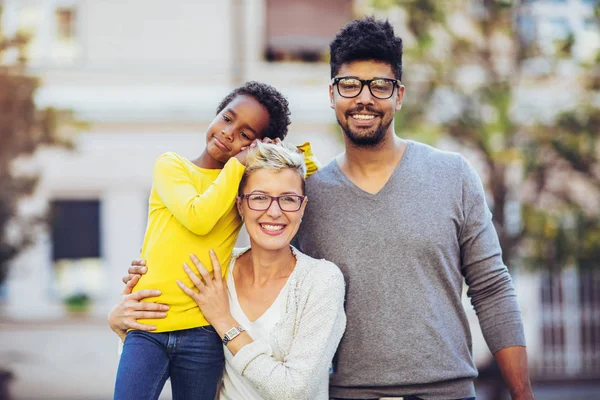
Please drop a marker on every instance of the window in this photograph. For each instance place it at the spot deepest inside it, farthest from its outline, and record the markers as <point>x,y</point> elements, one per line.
<point>51,31</point>
<point>65,45</point>
<point>75,229</point>
<point>589,300</point>
<point>302,30</point>
<point>29,21</point>
<point>76,247</point>
<point>570,330</point>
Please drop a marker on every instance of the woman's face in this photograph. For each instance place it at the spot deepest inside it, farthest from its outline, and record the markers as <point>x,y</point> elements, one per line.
<point>272,229</point>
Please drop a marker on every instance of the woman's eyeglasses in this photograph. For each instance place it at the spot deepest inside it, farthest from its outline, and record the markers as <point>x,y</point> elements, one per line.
<point>262,202</point>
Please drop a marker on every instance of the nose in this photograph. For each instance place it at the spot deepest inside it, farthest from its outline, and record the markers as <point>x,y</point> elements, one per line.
<point>274,210</point>
<point>364,97</point>
<point>227,133</point>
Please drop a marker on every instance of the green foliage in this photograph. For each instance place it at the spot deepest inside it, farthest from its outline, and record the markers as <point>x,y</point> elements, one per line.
<point>23,130</point>
<point>78,303</point>
<point>559,190</point>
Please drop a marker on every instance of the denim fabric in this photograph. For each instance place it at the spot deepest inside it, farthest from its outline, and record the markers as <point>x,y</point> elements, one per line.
<point>192,358</point>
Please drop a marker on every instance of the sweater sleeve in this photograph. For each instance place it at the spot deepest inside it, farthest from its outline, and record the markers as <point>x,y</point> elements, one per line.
<point>312,163</point>
<point>198,212</point>
<point>319,331</point>
<point>491,289</point>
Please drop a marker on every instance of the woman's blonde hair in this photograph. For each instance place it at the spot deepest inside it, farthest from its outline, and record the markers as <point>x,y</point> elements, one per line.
<point>274,157</point>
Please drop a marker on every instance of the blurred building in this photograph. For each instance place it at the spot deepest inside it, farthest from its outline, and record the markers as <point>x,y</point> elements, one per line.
<point>146,76</point>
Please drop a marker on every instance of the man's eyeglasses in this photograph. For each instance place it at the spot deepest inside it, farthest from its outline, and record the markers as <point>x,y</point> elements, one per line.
<point>381,88</point>
<point>262,202</point>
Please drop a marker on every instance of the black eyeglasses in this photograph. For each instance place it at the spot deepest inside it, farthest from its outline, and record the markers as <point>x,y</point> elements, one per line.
<point>262,202</point>
<point>380,88</point>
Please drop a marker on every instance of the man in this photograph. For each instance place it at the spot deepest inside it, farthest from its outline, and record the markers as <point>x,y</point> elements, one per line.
<point>405,223</point>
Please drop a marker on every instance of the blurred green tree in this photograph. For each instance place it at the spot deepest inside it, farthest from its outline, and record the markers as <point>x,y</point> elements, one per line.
<point>24,129</point>
<point>468,64</point>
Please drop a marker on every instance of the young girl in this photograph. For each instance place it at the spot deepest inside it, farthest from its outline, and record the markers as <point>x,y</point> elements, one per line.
<point>192,209</point>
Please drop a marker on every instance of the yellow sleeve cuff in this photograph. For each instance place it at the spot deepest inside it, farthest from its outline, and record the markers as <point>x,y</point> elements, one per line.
<point>312,163</point>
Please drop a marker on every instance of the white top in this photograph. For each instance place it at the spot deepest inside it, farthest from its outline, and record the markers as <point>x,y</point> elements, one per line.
<point>235,386</point>
<point>295,342</point>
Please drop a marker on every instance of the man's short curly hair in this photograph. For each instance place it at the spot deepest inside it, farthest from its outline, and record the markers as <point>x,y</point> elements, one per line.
<point>366,39</point>
<point>275,103</point>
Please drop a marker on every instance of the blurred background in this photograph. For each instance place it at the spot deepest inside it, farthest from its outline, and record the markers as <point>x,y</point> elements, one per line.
<point>92,91</point>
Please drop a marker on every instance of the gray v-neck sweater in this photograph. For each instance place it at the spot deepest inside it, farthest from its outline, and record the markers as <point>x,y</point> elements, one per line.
<point>404,253</point>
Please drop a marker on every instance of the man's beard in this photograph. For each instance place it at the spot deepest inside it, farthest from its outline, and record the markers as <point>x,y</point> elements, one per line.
<point>366,140</point>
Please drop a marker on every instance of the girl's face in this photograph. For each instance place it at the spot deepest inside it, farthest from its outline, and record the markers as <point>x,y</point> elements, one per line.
<point>237,125</point>
<point>273,228</point>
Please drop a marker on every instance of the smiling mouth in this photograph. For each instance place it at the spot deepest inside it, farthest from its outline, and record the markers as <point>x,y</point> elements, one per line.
<point>272,229</point>
<point>363,117</point>
<point>220,144</point>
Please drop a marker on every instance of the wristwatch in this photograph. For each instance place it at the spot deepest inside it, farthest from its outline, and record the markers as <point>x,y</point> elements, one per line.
<point>232,334</point>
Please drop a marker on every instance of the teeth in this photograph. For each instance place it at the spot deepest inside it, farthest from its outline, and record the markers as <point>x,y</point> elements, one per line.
<point>272,227</point>
<point>363,116</point>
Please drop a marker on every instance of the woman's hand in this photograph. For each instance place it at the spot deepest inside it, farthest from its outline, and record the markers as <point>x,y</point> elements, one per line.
<point>212,295</point>
<point>125,314</point>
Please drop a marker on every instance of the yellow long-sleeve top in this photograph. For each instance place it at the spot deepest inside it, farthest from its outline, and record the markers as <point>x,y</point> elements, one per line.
<point>191,210</point>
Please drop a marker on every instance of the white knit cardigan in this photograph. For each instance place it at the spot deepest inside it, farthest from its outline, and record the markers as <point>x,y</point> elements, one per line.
<point>311,327</point>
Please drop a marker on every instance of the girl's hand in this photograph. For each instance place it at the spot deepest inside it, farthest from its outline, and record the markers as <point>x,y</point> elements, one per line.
<point>137,269</point>
<point>276,141</point>
<point>212,298</point>
<point>243,154</point>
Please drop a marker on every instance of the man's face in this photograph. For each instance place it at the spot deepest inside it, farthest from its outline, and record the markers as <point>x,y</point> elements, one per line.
<point>365,119</point>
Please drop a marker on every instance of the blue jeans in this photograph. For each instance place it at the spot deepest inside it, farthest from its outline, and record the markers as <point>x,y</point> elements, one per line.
<point>192,358</point>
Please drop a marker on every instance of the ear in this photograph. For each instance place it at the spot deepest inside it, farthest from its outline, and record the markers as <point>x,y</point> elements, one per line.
<point>239,202</point>
<point>331,100</point>
<point>301,211</point>
<point>400,97</point>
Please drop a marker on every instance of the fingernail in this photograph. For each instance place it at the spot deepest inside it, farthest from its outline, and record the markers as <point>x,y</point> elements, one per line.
<point>193,257</point>
<point>143,269</point>
<point>185,266</point>
<point>212,251</point>
<point>179,283</point>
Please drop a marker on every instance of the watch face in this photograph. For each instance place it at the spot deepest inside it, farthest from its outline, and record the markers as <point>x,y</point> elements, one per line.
<point>232,332</point>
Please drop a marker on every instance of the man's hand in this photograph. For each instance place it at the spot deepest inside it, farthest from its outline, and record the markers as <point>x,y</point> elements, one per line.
<point>125,314</point>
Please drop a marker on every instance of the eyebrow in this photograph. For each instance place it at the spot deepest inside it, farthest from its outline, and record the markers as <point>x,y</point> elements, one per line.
<point>282,194</point>
<point>230,110</point>
<point>371,79</point>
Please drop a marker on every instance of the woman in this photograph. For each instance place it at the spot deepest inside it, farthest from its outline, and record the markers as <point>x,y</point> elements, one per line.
<point>280,312</point>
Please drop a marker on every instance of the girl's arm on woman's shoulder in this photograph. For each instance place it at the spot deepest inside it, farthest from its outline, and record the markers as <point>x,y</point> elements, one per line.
<point>320,329</point>
<point>198,212</point>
